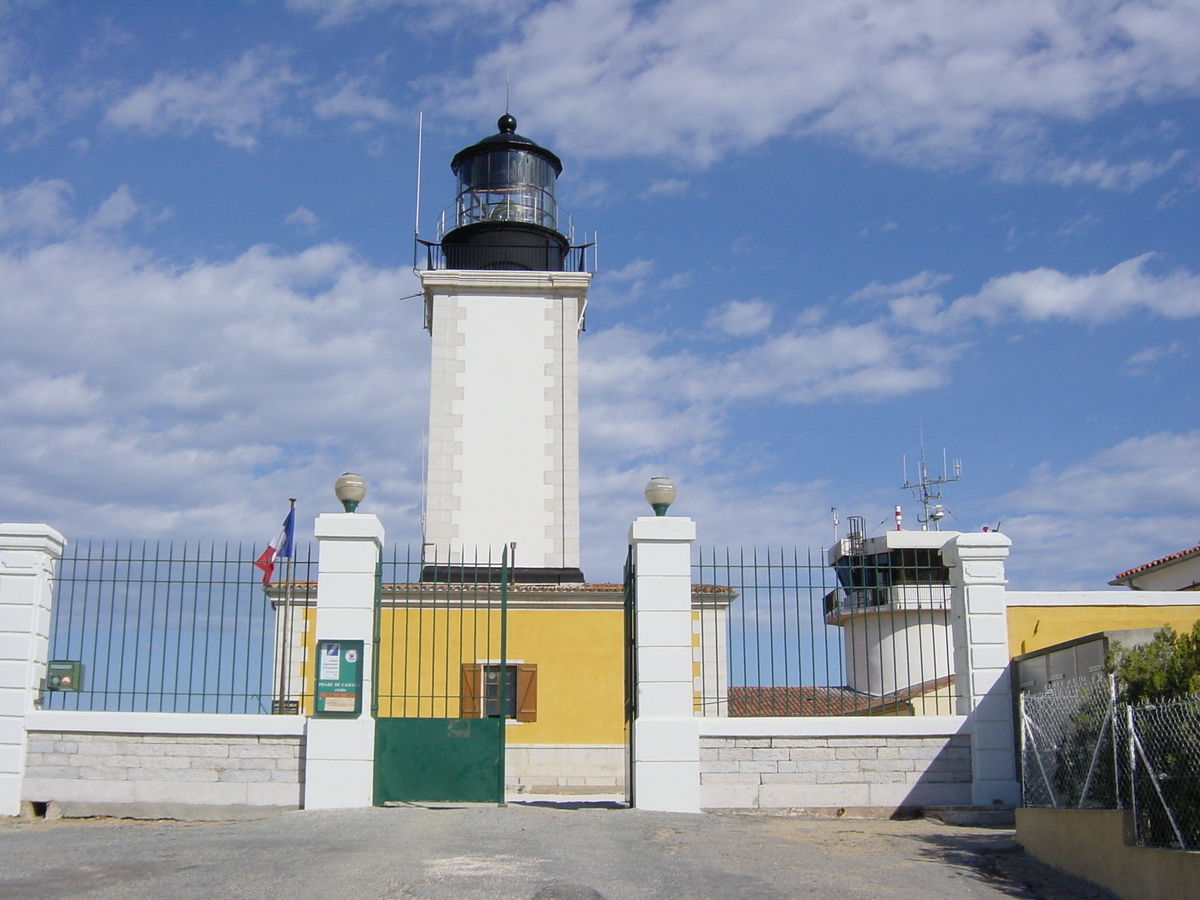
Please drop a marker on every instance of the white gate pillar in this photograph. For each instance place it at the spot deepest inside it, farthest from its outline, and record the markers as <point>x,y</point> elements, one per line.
<point>666,733</point>
<point>981,662</point>
<point>27,556</point>
<point>340,753</point>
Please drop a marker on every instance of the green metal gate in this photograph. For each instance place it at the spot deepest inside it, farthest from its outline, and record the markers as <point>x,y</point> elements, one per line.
<point>443,685</point>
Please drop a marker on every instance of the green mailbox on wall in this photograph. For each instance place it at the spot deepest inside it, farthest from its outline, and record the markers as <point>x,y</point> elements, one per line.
<point>339,678</point>
<point>64,675</point>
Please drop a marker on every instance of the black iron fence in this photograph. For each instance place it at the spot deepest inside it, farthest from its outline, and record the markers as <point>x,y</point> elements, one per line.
<point>786,632</point>
<point>1082,749</point>
<point>179,628</point>
<point>441,639</point>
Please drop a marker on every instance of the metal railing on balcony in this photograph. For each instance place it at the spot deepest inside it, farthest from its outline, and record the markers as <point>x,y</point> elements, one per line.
<point>550,257</point>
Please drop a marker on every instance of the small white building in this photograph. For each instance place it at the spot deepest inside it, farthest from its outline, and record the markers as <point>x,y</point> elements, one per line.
<point>1177,572</point>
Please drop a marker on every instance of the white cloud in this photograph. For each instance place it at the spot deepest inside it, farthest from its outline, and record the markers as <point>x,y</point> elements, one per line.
<point>667,187</point>
<point>921,283</point>
<point>1046,293</point>
<point>642,399</point>
<point>1139,362</point>
<point>303,218</point>
<point>1156,474</point>
<point>941,82</point>
<point>741,318</point>
<point>1076,227</point>
<point>349,99</point>
<point>438,14</point>
<point>1101,173</point>
<point>632,271</point>
<point>40,208</point>
<point>1119,508</point>
<point>195,398</point>
<point>1041,294</point>
<point>235,104</point>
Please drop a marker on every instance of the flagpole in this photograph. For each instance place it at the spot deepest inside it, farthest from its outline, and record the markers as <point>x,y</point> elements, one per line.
<point>286,648</point>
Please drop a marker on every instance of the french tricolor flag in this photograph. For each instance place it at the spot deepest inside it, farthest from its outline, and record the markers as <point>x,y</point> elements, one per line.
<point>279,548</point>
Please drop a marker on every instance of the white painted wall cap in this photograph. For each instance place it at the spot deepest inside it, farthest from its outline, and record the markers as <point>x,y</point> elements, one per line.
<point>29,534</point>
<point>981,539</point>
<point>348,525</point>
<point>662,528</point>
<point>27,529</point>
<point>162,723</point>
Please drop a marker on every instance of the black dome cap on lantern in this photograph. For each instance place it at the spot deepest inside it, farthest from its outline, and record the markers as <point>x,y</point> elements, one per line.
<point>505,139</point>
<point>506,215</point>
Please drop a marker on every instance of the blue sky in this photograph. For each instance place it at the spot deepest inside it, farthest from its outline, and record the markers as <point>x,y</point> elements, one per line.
<point>821,226</point>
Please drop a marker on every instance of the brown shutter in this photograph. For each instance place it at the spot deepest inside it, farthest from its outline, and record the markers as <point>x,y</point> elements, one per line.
<point>472,695</point>
<point>527,693</point>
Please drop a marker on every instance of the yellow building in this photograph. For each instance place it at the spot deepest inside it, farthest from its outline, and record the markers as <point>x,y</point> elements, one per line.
<point>1159,596</point>
<point>439,657</point>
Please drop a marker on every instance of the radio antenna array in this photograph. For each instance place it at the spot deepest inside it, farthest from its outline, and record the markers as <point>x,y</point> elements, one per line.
<point>928,491</point>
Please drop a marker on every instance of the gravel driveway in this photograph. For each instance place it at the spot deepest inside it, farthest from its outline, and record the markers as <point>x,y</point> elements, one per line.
<point>521,852</point>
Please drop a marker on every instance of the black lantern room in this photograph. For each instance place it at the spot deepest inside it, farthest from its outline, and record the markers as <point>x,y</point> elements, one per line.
<point>506,216</point>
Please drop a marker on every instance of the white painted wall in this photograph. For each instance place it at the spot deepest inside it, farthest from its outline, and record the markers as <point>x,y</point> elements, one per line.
<point>889,649</point>
<point>27,558</point>
<point>980,620</point>
<point>503,457</point>
<point>666,733</point>
<point>340,762</point>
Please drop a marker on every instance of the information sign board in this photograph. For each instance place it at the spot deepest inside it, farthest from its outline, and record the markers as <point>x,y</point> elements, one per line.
<point>339,678</point>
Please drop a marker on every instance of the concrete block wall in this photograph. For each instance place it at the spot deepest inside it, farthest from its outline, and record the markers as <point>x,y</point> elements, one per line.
<point>164,765</point>
<point>565,769</point>
<point>878,773</point>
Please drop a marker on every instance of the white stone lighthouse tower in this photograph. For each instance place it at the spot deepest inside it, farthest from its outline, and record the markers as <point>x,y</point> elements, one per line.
<point>505,314</point>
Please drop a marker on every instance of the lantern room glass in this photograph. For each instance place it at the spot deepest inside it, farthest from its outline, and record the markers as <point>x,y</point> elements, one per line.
<point>507,186</point>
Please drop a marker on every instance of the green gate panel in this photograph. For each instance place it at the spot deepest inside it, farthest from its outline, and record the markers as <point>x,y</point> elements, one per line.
<point>437,760</point>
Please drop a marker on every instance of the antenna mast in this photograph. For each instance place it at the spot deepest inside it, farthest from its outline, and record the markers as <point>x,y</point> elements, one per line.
<point>417,214</point>
<point>927,491</point>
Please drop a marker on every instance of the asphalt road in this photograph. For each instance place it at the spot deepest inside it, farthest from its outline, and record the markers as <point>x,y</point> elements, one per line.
<point>520,853</point>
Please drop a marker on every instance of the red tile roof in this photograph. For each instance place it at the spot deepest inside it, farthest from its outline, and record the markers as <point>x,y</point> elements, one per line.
<point>763,700</point>
<point>1146,567</point>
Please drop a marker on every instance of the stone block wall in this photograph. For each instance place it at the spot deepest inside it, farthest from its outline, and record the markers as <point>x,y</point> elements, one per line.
<point>565,769</point>
<point>874,773</point>
<point>186,776</point>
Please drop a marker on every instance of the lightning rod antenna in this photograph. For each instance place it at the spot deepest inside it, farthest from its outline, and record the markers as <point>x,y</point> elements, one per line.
<point>417,213</point>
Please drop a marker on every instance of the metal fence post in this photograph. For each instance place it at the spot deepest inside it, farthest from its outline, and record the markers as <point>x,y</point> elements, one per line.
<point>27,556</point>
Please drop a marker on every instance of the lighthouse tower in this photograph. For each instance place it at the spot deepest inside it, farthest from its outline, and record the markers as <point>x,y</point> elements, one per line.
<point>504,314</point>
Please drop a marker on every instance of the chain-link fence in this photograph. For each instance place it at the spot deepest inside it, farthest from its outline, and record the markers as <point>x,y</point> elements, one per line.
<point>1081,749</point>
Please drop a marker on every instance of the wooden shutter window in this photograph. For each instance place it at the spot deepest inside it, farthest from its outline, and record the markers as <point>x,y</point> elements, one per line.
<point>472,693</point>
<point>527,693</point>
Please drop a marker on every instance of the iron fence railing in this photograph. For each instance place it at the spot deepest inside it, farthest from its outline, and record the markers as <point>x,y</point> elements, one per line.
<point>1081,748</point>
<point>441,638</point>
<point>781,632</point>
<point>179,628</point>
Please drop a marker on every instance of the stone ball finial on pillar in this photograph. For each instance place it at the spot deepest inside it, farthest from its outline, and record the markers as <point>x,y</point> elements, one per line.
<point>660,494</point>
<point>350,489</point>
